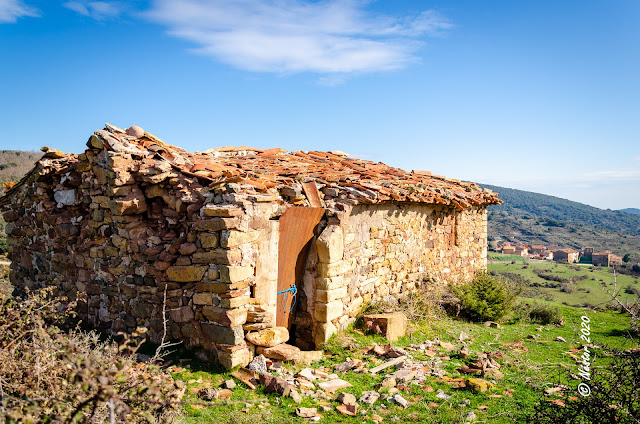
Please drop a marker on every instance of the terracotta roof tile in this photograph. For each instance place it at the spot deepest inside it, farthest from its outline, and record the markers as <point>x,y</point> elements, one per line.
<point>354,180</point>
<point>360,180</point>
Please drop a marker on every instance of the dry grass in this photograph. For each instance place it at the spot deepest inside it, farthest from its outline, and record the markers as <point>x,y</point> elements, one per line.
<point>417,306</point>
<point>50,375</point>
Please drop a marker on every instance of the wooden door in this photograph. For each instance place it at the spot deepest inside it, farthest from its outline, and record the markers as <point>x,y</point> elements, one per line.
<point>296,229</point>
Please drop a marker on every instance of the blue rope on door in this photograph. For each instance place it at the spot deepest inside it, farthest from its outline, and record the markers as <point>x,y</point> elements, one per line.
<point>294,290</point>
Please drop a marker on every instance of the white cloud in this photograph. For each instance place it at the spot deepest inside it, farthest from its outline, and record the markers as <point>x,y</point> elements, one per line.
<point>290,36</point>
<point>614,175</point>
<point>98,10</point>
<point>11,10</point>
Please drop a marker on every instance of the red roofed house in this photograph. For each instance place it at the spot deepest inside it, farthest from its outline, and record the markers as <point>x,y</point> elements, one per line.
<point>615,260</point>
<point>237,239</point>
<point>566,255</point>
<point>538,249</point>
<point>508,249</point>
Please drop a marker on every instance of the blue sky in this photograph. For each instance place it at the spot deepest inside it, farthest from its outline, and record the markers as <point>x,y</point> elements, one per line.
<point>541,96</point>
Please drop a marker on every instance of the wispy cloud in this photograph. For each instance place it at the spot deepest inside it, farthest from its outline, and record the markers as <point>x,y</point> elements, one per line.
<point>613,175</point>
<point>11,10</point>
<point>329,37</point>
<point>98,10</point>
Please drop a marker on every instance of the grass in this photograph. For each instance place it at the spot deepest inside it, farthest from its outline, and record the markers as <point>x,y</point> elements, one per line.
<point>541,363</point>
<point>527,373</point>
<point>493,256</point>
<point>586,292</point>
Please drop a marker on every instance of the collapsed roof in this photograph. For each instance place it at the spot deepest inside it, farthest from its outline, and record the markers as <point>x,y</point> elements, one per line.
<point>276,171</point>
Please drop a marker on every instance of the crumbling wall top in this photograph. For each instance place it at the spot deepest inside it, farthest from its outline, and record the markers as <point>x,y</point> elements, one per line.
<point>296,177</point>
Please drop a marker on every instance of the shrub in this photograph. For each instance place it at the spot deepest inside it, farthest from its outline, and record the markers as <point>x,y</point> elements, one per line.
<point>567,288</point>
<point>614,395</point>
<point>424,303</point>
<point>537,312</point>
<point>49,375</point>
<point>545,314</point>
<point>486,297</point>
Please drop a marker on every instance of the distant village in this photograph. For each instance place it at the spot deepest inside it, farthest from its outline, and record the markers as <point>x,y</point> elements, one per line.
<point>559,254</point>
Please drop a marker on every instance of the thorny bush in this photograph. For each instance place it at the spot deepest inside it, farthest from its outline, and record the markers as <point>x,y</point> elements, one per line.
<point>614,397</point>
<point>51,375</point>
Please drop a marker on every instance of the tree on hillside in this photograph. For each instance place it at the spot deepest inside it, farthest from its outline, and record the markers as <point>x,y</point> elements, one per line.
<point>626,258</point>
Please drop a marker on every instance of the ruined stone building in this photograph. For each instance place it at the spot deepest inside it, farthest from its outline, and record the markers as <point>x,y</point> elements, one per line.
<point>236,239</point>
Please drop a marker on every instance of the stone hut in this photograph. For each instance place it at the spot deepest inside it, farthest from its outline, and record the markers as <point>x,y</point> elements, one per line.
<point>234,240</point>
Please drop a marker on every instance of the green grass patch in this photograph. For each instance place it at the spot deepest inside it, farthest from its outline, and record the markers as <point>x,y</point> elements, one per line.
<point>495,256</point>
<point>585,281</point>
<point>540,363</point>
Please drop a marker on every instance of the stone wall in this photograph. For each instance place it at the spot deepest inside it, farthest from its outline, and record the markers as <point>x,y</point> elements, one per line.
<point>118,235</point>
<point>379,250</point>
<point>128,236</point>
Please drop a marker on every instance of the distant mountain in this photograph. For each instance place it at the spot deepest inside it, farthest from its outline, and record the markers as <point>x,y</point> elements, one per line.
<point>526,203</point>
<point>633,211</point>
<point>15,163</point>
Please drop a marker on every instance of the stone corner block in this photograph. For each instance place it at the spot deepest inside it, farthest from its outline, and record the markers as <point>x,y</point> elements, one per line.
<point>184,274</point>
<point>324,332</point>
<point>219,334</point>
<point>326,296</point>
<point>233,238</point>
<point>330,245</point>
<point>325,312</point>
<point>235,273</point>
<point>240,357</point>
<point>221,211</point>
<point>336,268</point>
<point>226,317</point>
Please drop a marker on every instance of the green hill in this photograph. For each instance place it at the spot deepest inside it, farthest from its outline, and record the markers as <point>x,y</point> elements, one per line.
<point>634,211</point>
<point>519,202</point>
<point>535,218</point>
<point>15,163</point>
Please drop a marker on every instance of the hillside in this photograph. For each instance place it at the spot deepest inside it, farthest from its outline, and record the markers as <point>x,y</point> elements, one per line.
<point>519,202</point>
<point>534,230</point>
<point>15,163</point>
<point>535,218</point>
<point>634,211</point>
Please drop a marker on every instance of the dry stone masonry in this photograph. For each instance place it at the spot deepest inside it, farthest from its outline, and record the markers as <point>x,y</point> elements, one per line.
<point>134,225</point>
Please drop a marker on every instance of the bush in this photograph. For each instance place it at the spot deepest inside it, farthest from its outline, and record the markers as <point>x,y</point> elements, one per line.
<point>537,312</point>
<point>422,304</point>
<point>614,395</point>
<point>567,288</point>
<point>545,314</point>
<point>486,297</point>
<point>49,375</point>
<point>632,290</point>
